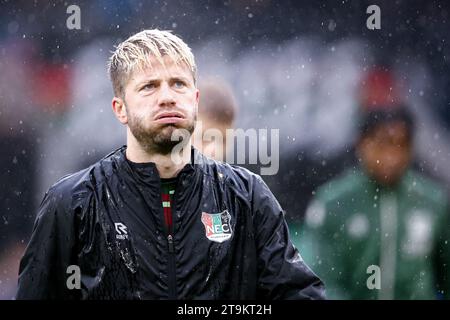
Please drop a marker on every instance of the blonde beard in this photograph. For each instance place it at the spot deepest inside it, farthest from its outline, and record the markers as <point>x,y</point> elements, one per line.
<point>157,140</point>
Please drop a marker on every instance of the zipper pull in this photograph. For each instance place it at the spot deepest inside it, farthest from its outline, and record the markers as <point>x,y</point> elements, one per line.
<point>170,242</point>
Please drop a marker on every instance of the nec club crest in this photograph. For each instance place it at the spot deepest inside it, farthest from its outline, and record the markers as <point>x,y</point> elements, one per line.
<point>217,226</point>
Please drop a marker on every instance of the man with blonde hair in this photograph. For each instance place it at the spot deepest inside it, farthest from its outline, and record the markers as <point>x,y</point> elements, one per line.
<point>152,221</point>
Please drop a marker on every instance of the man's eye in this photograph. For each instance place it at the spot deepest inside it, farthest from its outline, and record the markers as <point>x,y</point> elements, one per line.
<point>179,84</point>
<point>149,86</point>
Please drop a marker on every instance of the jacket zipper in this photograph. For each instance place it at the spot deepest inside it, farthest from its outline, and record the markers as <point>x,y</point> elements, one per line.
<point>388,254</point>
<point>171,272</point>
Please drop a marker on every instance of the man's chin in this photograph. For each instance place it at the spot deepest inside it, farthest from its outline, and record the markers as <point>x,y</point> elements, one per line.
<point>171,127</point>
<point>168,138</point>
<point>172,130</point>
<point>388,179</point>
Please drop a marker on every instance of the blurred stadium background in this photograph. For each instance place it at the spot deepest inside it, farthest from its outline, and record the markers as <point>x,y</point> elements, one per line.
<point>302,67</point>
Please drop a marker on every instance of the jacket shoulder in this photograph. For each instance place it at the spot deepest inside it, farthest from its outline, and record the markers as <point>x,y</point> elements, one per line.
<point>71,183</point>
<point>241,180</point>
<point>424,187</point>
<point>79,185</point>
<point>347,185</point>
<point>86,179</point>
<point>349,182</point>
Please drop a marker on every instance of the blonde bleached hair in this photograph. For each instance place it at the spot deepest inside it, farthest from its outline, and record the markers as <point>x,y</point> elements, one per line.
<point>134,53</point>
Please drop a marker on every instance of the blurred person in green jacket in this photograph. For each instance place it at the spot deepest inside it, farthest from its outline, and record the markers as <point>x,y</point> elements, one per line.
<point>380,230</point>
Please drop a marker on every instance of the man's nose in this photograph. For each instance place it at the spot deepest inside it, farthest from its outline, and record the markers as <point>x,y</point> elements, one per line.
<point>166,97</point>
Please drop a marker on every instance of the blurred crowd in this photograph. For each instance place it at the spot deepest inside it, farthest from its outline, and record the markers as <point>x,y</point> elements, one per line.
<point>313,71</point>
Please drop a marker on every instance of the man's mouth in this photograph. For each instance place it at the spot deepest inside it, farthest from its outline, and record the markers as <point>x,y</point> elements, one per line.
<point>169,117</point>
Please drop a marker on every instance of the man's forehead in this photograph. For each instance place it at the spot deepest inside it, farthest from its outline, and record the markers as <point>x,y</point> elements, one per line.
<point>390,129</point>
<point>167,67</point>
<point>393,126</point>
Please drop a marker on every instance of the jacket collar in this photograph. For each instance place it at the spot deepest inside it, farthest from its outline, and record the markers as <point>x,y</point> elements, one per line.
<point>148,171</point>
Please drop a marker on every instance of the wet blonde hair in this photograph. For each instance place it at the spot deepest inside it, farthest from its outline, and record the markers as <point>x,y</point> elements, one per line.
<point>134,53</point>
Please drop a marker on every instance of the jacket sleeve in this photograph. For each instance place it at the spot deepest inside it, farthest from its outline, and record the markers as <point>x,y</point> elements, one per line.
<point>42,271</point>
<point>282,273</point>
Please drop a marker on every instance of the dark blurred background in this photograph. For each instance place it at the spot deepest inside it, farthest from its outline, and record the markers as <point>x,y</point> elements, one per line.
<point>303,67</point>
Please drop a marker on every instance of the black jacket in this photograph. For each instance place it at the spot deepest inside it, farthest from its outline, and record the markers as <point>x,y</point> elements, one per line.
<point>108,221</point>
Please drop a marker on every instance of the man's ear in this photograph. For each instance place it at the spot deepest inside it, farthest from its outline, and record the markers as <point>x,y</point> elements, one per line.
<point>119,108</point>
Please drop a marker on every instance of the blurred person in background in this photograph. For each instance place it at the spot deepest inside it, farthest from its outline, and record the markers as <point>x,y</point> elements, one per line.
<point>217,112</point>
<point>148,222</point>
<point>381,229</point>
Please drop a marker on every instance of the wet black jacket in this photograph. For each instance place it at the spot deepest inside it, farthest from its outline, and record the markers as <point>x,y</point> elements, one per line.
<point>108,221</point>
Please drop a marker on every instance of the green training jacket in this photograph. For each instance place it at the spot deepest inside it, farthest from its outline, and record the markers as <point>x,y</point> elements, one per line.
<point>366,241</point>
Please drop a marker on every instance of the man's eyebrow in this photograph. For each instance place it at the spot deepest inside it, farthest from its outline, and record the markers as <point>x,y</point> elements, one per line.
<point>179,77</point>
<point>156,79</point>
<point>148,80</point>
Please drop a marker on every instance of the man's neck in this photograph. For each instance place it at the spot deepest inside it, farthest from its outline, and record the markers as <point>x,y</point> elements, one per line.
<point>167,166</point>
